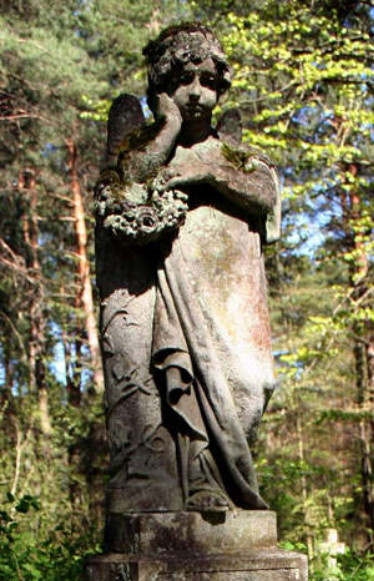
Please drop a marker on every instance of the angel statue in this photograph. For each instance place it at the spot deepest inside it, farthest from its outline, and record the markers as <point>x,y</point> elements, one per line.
<point>183,210</point>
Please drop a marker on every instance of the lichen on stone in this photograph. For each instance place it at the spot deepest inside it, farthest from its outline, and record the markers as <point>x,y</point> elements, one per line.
<point>139,213</point>
<point>244,157</point>
<point>138,140</point>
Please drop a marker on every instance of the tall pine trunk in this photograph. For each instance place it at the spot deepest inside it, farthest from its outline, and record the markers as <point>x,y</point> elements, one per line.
<point>86,455</point>
<point>37,342</point>
<point>363,350</point>
<point>84,295</point>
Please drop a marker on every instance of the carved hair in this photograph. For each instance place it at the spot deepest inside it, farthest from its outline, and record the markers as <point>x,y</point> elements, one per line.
<point>178,45</point>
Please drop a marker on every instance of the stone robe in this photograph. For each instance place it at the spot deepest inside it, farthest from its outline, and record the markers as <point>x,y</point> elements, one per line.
<point>187,355</point>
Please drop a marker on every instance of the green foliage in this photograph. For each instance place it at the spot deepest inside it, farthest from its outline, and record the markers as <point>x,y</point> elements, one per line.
<point>303,81</point>
<point>350,566</point>
<point>48,535</point>
<point>26,553</point>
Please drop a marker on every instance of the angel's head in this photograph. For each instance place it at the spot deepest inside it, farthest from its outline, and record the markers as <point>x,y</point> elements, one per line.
<point>188,63</point>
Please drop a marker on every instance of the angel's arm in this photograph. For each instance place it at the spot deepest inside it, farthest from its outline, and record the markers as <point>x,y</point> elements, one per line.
<point>148,148</point>
<point>136,150</point>
<point>241,174</point>
<point>248,184</point>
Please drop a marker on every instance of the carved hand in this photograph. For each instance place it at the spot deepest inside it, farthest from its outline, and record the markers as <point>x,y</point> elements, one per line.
<point>168,109</point>
<point>254,191</point>
<point>142,162</point>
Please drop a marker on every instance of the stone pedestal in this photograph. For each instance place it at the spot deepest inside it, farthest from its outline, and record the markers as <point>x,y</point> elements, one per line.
<point>189,546</point>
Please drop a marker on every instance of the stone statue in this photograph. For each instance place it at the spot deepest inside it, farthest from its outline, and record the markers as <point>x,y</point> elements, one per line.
<point>183,211</point>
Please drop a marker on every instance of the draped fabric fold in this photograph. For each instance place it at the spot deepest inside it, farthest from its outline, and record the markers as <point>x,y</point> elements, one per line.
<point>197,389</point>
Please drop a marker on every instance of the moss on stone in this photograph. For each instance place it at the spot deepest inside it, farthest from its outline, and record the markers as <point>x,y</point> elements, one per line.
<point>244,157</point>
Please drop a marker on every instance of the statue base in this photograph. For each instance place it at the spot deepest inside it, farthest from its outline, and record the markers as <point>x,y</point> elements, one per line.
<point>190,546</point>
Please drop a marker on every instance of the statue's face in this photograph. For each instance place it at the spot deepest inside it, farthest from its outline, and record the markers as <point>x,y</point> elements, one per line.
<point>195,90</point>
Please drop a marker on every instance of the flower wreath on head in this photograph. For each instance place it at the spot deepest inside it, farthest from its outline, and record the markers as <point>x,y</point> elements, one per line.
<point>178,45</point>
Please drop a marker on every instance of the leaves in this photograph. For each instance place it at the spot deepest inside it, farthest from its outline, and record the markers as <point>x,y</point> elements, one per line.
<point>303,81</point>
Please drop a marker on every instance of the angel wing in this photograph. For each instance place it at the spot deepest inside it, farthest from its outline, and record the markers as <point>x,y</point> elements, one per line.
<point>125,117</point>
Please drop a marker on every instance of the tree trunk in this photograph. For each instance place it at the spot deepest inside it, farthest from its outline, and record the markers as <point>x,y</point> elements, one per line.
<point>95,443</point>
<point>304,491</point>
<point>27,186</point>
<point>363,353</point>
<point>85,295</point>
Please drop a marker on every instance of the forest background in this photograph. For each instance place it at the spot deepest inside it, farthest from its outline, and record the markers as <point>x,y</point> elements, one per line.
<point>304,85</point>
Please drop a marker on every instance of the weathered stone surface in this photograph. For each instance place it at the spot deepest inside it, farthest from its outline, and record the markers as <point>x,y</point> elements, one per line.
<point>270,565</point>
<point>209,533</point>
<point>196,547</point>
